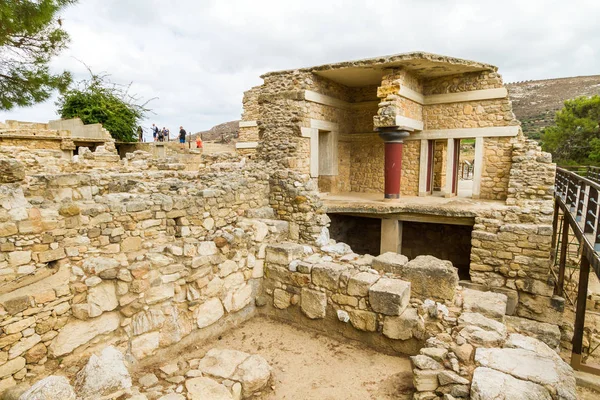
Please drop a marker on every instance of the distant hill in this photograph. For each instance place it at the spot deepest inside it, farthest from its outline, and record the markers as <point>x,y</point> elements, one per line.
<point>225,132</point>
<point>536,102</point>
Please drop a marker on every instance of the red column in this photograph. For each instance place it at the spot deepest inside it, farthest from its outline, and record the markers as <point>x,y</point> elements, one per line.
<point>393,169</point>
<point>393,139</point>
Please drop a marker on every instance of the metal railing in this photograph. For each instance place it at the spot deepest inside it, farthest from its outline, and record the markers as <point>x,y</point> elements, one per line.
<point>577,199</point>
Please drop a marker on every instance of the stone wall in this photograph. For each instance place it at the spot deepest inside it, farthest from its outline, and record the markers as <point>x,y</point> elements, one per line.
<point>409,181</point>
<point>497,164</point>
<point>144,257</point>
<point>439,164</point>
<point>511,248</point>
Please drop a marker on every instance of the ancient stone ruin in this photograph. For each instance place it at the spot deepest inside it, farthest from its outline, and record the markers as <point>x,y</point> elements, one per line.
<point>343,213</point>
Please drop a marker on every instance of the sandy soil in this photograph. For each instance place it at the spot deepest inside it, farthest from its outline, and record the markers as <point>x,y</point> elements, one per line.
<point>308,365</point>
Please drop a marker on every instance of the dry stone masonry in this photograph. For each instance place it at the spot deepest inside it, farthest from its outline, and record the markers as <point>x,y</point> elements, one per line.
<point>122,261</point>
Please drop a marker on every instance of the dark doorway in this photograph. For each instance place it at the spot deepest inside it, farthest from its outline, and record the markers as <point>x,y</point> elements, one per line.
<point>361,233</point>
<point>444,241</point>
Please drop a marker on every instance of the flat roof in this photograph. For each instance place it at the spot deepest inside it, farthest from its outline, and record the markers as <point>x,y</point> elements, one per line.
<point>369,71</point>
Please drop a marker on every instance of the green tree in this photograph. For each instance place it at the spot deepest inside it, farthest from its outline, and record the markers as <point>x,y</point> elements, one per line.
<point>97,100</point>
<point>30,35</point>
<point>575,137</point>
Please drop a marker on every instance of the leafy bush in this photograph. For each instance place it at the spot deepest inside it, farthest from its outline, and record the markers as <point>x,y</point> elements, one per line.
<point>98,100</point>
<point>576,134</point>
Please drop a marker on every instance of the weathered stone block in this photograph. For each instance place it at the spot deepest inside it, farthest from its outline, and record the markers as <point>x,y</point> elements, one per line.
<point>363,320</point>
<point>209,312</point>
<point>144,345</point>
<point>327,275</point>
<point>492,305</point>
<point>403,326</point>
<point>425,380</point>
<point>11,170</point>
<point>545,332</point>
<point>489,384</point>
<point>389,262</point>
<point>77,333</point>
<point>51,255</point>
<point>359,284</point>
<point>389,296</point>
<point>283,253</point>
<point>430,278</point>
<point>281,299</point>
<point>16,305</point>
<point>313,304</point>
<point>12,366</point>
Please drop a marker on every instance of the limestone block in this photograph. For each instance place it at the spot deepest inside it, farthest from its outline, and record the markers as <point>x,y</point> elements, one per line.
<point>492,305</point>
<point>424,362</point>
<point>434,352</point>
<point>363,320</point>
<point>209,312</point>
<point>489,384</point>
<point>283,253</point>
<point>23,345</point>
<point>102,297</point>
<point>389,296</point>
<point>430,278</point>
<point>12,366</point>
<point>207,249</point>
<point>540,308</point>
<point>144,345</point>
<point>17,258</point>
<point>18,326</point>
<point>402,327</point>
<point>133,243</point>
<point>146,321</point>
<point>518,341</point>
<point>238,299</point>
<point>222,363</point>
<point>17,304</point>
<point>552,373</point>
<point>425,380</point>
<point>77,333</point>
<point>253,373</point>
<point>481,337</point>
<point>11,170</point>
<point>327,275</point>
<point>338,248</point>
<point>227,268</point>
<point>205,388</point>
<point>36,353</point>
<point>488,324</point>
<point>160,293</point>
<point>389,262</point>
<point>51,255</point>
<point>281,299</point>
<point>547,333</point>
<point>96,265</point>
<point>103,375</point>
<point>447,377</point>
<point>359,284</point>
<point>313,304</point>
<point>8,229</point>
<point>52,387</point>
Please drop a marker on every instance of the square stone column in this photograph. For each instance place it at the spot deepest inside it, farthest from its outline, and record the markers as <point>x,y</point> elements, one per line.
<point>391,236</point>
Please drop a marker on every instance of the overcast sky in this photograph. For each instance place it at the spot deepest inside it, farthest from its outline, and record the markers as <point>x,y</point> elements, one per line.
<point>199,56</point>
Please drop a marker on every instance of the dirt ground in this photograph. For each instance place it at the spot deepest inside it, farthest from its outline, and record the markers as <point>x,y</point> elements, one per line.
<point>308,365</point>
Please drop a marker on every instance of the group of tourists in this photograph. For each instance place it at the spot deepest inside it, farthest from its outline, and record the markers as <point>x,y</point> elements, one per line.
<point>161,135</point>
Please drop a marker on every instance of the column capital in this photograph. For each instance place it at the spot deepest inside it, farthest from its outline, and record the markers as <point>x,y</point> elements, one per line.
<point>393,134</point>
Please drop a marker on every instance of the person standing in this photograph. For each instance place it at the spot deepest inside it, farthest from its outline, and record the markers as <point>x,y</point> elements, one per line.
<point>198,141</point>
<point>182,134</point>
<point>140,132</point>
<point>155,132</point>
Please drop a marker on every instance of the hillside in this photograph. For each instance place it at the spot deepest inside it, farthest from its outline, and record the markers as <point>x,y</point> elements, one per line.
<point>224,132</point>
<point>536,102</point>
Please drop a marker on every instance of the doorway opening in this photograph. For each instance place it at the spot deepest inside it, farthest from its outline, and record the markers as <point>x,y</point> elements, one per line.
<point>361,233</point>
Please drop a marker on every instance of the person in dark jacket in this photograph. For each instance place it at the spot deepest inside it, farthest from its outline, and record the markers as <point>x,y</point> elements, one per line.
<point>182,134</point>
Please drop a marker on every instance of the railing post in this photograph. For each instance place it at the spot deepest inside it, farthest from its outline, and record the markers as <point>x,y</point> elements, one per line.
<point>555,224</point>
<point>562,262</point>
<point>584,274</point>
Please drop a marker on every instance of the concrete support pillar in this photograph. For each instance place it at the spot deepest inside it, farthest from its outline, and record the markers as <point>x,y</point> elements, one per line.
<point>393,138</point>
<point>477,167</point>
<point>391,236</point>
<point>450,169</point>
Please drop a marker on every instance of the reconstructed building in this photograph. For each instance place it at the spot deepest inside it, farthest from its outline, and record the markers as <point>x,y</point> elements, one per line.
<point>392,128</point>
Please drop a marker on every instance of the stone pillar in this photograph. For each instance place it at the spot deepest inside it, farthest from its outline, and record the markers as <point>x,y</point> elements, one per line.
<point>391,236</point>
<point>450,169</point>
<point>393,138</point>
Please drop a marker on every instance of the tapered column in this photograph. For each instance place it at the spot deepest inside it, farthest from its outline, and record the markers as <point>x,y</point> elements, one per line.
<point>393,138</point>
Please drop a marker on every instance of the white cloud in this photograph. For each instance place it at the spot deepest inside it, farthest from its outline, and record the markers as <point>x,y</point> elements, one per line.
<point>198,57</point>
